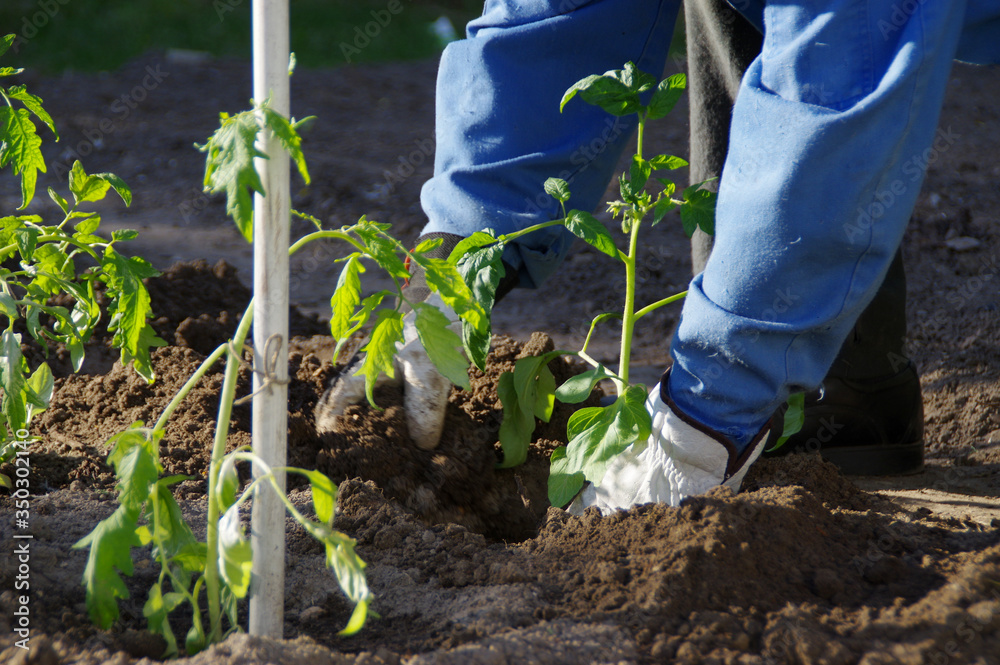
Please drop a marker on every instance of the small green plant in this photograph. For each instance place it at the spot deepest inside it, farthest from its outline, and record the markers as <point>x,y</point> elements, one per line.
<point>215,574</point>
<point>39,261</point>
<point>596,434</point>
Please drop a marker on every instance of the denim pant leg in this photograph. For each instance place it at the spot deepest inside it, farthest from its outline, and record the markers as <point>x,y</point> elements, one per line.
<point>825,164</point>
<point>499,131</point>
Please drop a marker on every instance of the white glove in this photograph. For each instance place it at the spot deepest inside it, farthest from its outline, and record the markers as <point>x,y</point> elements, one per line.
<point>425,390</point>
<point>679,460</point>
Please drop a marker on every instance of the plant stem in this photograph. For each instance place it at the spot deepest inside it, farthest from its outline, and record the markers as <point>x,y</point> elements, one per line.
<point>659,303</point>
<point>628,313</point>
<point>206,364</point>
<point>218,452</point>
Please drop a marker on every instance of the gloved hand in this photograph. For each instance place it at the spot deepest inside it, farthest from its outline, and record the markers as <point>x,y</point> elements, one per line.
<point>681,459</point>
<point>425,390</point>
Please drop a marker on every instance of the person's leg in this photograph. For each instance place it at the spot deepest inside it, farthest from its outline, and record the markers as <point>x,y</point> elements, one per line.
<point>817,189</point>
<point>500,134</point>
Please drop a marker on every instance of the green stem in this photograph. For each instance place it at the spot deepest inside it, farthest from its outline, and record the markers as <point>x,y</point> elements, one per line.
<point>628,314</point>
<point>659,303</point>
<point>639,135</point>
<point>206,364</point>
<point>531,229</point>
<point>218,452</point>
<point>318,235</point>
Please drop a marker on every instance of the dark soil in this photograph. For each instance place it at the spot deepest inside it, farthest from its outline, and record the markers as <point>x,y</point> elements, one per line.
<point>468,563</point>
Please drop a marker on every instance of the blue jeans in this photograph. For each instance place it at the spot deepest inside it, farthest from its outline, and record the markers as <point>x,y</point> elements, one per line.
<point>832,132</point>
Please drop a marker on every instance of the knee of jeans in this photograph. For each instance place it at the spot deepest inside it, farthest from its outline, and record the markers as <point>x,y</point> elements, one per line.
<point>512,13</point>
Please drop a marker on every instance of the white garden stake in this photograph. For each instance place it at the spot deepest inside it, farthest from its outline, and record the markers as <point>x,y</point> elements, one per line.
<point>270,288</point>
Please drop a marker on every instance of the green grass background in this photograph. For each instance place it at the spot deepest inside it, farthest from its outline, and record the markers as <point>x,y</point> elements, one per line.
<point>95,35</point>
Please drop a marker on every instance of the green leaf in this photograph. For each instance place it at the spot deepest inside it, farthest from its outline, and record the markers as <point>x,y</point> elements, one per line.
<point>558,189</point>
<point>639,172</point>
<point>585,226</point>
<point>444,279</point>
<point>667,162</point>
<point>545,394</point>
<point>60,201</point>
<point>442,345</point>
<point>381,349</point>
<point>40,385</point>
<point>110,544</point>
<point>8,306</point>
<point>577,388</point>
<point>662,207</point>
<point>10,71</point>
<point>518,423</point>
<point>33,104</point>
<point>229,167</point>
<point>135,467</point>
<point>227,485</point>
<point>118,185</point>
<point>635,79</point>
<point>475,241</point>
<point>130,307</point>
<point>235,554</point>
<point>324,495</point>
<point>86,187</point>
<point>156,611</point>
<point>564,484</point>
<point>795,418</point>
<point>290,140</point>
<point>698,210</point>
<point>428,245</point>
<point>346,298</point>
<point>26,239</point>
<point>605,91</point>
<point>121,235</point>
<point>668,92</point>
<point>381,248</point>
<point>599,433</point>
<point>482,271</point>
<point>195,640</point>
<point>20,146</point>
<point>88,225</point>
<point>6,41</point>
<point>12,380</point>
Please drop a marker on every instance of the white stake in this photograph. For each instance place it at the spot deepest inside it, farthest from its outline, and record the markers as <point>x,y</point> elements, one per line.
<point>270,288</point>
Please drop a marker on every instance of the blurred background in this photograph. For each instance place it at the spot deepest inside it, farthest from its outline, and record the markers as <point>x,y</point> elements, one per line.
<point>101,35</point>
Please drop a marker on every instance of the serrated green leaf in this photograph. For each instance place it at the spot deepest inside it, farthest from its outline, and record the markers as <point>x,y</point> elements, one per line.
<point>698,210</point>
<point>229,167</point>
<point>6,41</point>
<point>558,189</point>
<point>585,226</point>
<point>380,349</point>
<point>289,138</point>
<point>121,235</point>
<point>444,279</point>
<point>86,187</point>
<point>235,553</point>
<point>20,146</point>
<point>346,297</point>
<point>668,92</point>
<point>130,307</point>
<point>427,245</point>
<point>577,388</point>
<point>442,345</point>
<point>382,249</point>
<point>110,544</point>
<point>33,104</point>
<point>517,425</point>
<point>482,271</point>
<point>564,484</point>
